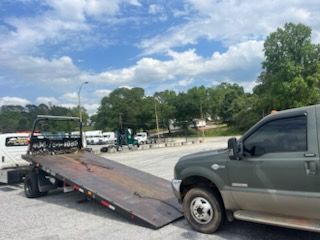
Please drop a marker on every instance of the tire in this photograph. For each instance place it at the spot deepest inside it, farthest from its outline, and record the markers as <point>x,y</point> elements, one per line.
<point>204,221</point>
<point>31,188</point>
<point>104,149</point>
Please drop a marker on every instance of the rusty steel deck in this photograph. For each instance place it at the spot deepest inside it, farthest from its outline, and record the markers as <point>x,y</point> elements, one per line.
<point>139,196</point>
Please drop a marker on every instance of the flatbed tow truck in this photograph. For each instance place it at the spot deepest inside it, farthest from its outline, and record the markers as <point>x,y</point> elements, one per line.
<point>59,159</point>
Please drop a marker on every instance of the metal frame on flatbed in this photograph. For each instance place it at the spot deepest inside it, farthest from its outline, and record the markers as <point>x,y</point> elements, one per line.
<point>50,163</point>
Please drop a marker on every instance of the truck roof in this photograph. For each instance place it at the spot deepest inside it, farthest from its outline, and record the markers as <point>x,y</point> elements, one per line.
<point>14,134</point>
<point>57,117</point>
<point>296,109</point>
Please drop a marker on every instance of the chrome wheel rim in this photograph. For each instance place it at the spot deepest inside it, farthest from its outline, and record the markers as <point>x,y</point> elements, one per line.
<point>201,210</point>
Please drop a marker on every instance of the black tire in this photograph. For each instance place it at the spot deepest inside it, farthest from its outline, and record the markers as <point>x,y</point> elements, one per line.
<point>104,149</point>
<point>207,221</point>
<point>31,188</point>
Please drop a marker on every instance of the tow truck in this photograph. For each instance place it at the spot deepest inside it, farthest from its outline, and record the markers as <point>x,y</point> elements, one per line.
<point>63,161</point>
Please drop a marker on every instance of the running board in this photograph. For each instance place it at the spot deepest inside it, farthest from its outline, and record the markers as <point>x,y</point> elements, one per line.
<point>282,221</point>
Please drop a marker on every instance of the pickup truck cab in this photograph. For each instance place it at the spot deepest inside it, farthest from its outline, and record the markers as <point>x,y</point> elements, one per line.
<point>270,175</point>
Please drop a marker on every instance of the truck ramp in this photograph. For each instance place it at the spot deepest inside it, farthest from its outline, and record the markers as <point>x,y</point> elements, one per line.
<point>141,197</point>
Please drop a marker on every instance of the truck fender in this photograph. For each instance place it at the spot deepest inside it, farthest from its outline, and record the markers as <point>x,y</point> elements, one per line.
<point>213,177</point>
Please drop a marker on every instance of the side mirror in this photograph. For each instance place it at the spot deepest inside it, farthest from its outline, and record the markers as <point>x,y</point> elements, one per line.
<point>233,149</point>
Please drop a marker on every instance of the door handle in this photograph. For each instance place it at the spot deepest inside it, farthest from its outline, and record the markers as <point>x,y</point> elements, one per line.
<point>310,155</point>
<point>310,167</point>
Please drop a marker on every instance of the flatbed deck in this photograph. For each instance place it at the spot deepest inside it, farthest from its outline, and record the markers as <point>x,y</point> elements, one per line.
<point>139,196</point>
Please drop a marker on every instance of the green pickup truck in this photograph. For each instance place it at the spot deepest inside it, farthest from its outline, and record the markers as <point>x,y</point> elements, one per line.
<point>270,175</point>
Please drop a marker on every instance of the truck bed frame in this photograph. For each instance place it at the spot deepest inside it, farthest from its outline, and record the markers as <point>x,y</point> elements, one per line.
<point>143,198</point>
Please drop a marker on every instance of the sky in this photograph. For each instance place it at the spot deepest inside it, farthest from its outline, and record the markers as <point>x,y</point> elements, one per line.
<point>49,47</point>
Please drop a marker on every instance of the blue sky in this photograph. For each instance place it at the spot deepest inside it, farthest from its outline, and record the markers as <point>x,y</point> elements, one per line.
<point>48,47</point>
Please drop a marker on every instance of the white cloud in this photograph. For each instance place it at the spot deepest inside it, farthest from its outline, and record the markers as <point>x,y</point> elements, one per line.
<point>47,100</point>
<point>13,101</point>
<point>233,21</point>
<point>242,57</point>
<point>70,96</point>
<point>31,33</point>
<point>80,9</point>
<point>185,82</point>
<point>40,70</point>
<point>91,108</point>
<point>103,92</point>
<point>63,21</point>
<point>88,100</point>
<point>59,73</point>
<point>68,105</point>
<point>91,105</point>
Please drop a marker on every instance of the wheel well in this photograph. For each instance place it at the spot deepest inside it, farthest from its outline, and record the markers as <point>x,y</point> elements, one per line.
<point>198,181</point>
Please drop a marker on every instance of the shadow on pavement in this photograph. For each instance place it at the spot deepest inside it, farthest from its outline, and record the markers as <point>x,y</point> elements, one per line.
<point>77,201</point>
<point>242,230</point>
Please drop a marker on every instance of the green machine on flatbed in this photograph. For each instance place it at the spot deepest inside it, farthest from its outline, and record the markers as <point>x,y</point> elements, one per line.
<point>59,159</point>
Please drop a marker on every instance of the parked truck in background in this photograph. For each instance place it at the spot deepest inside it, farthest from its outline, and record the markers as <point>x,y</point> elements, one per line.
<point>270,175</point>
<point>141,137</point>
<point>109,138</point>
<point>12,166</point>
<point>94,137</point>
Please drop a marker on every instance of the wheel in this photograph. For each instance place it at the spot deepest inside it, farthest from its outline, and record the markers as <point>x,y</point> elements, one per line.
<point>31,188</point>
<point>104,149</point>
<point>203,210</point>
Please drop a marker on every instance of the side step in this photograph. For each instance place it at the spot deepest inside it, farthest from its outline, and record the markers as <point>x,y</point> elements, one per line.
<point>282,221</point>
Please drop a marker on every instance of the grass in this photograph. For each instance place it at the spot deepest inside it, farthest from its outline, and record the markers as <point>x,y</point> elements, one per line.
<point>216,132</point>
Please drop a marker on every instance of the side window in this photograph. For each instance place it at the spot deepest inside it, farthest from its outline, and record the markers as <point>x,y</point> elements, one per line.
<point>283,135</point>
<point>17,141</point>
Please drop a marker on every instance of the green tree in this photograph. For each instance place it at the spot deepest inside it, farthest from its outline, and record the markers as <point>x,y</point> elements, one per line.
<point>248,113</point>
<point>167,111</point>
<point>19,118</point>
<point>126,108</point>
<point>291,70</point>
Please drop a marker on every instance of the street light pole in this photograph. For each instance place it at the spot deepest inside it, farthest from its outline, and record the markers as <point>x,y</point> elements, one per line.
<point>79,103</point>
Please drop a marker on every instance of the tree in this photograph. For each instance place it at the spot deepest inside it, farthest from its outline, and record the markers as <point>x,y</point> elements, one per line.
<point>291,70</point>
<point>126,108</point>
<point>166,107</point>
<point>19,118</point>
<point>247,113</point>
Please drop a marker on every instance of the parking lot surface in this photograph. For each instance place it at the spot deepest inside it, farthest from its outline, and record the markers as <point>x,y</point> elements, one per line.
<point>65,216</point>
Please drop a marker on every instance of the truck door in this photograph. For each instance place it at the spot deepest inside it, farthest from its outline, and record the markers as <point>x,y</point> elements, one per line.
<point>279,172</point>
<point>11,150</point>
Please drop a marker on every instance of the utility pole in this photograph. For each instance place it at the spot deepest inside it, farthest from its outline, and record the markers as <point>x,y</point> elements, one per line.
<point>120,121</point>
<point>201,113</point>
<point>157,120</point>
